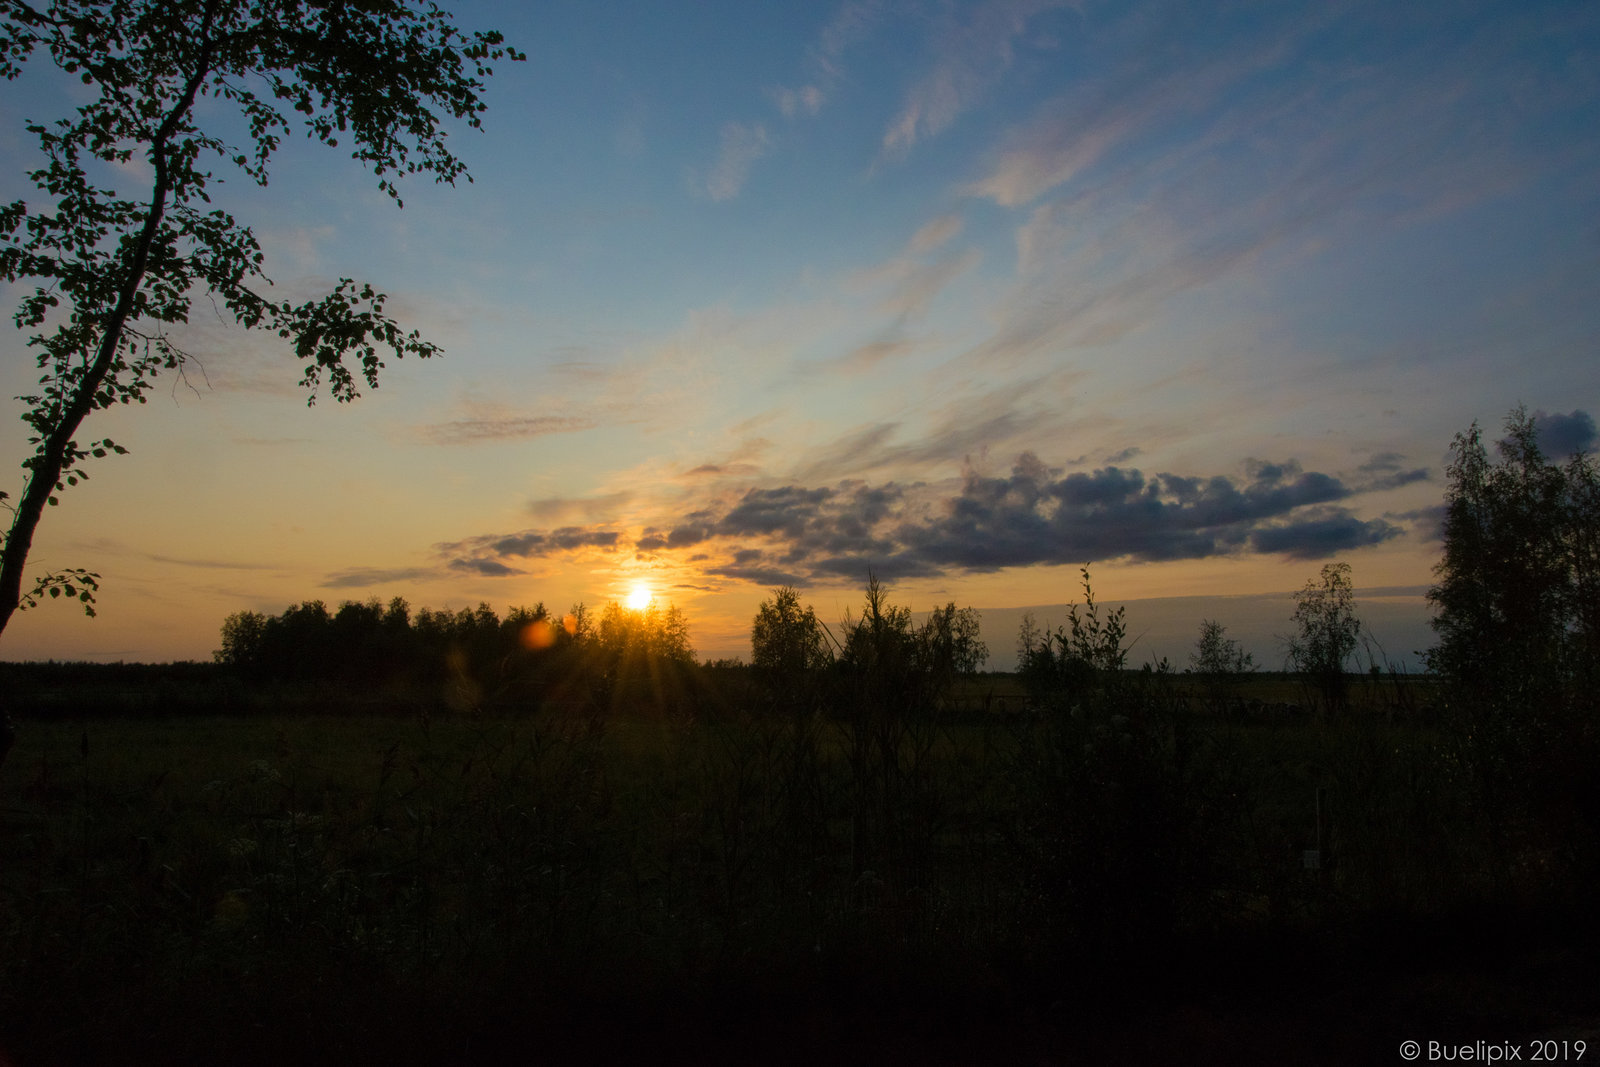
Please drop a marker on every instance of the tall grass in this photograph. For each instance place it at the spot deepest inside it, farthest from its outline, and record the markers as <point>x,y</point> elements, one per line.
<point>241,886</point>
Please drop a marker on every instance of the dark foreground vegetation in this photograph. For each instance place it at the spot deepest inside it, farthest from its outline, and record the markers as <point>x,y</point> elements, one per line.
<point>568,843</point>
<point>789,876</point>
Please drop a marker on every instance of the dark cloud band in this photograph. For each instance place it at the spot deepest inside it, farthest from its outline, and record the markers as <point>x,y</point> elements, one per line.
<point>792,534</point>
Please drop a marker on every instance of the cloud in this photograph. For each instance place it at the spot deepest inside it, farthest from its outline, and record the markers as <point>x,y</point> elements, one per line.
<point>112,546</point>
<point>1428,522</point>
<point>488,568</point>
<point>1385,471</point>
<point>978,421</point>
<point>580,509</point>
<point>1164,82</point>
<point>850,25</point>
<point>773,511</point>
<point>971,58</point>
<point>1563,435</point>
<point>1322,536</point>
<point>934,233</point>
<point>869,355</point>
<point>1036,515</point>
<point>485,553</point>
<point>742,145</point>
<point>805,100</point>
<point>362,577</point>
<point>478,431</point>
<point>1178,166</point>
<point>209,564</point>
<point>767,576</point>
<point>918,285</point>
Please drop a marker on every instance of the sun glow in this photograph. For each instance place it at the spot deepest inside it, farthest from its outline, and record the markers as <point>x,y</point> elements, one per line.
<point>640,597</point>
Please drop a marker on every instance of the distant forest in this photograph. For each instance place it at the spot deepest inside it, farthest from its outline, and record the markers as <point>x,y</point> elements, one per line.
<point>478,655</point>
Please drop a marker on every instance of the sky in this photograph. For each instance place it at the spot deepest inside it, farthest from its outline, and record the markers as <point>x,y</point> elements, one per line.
<point>969,294</point>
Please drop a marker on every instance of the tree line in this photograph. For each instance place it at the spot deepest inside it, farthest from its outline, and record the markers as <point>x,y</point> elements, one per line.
<point>1517,611</point>
<point>528,653</point>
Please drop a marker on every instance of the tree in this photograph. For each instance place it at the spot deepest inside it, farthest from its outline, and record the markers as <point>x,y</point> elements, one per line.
<point>1326,631</point>
<point>244,636</point>
<point>882,642</point>
<point>1518,596</point>
<point>1030,639</point>
<point>1219,661</point>
<point>787,640</point>
<point>648,634</point>
<point>113,272</point>
<point>1216,654</point>
<point>950,641</point>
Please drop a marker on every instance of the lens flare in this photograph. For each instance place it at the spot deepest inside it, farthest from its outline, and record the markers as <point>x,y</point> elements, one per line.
<point>538,634</point>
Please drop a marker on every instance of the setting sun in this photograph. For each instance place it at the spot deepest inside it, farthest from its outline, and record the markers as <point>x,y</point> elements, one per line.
<point>639,598</point>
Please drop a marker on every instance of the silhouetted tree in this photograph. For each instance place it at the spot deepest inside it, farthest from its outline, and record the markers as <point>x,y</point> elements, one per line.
<point>1217,654</point>
<point>950,644</point>
<point>1518,619</point>
<point>650,632</point>
<point>243,642</point>
<point>1518,596</point>
<point>1030,639</point>
<point>1326,631</point>
<point>112,272</point>
<point>879,652</point>
<point>638,658</point>
<point>786,640</point>
<point>1219,661</point>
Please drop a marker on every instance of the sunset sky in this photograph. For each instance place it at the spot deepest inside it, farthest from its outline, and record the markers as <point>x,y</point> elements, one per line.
<point>970,293</point>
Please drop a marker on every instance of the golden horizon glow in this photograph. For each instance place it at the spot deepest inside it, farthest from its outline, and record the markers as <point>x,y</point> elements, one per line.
<point>639,597</point>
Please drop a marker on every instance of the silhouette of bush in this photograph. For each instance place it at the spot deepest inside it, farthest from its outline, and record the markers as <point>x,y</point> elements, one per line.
<point>1128,809</point>
<point>1080,660</point>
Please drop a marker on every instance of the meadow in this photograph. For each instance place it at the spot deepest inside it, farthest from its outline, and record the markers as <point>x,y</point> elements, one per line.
<point>779,876</point>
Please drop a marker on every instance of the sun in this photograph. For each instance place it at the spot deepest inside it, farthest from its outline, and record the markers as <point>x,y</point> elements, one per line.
<point>640,597</point>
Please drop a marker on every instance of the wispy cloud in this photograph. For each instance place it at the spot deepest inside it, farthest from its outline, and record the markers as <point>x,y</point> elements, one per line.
<point>919,284</point>
<point>852,24</point>
<point>1387,470</point>
<point>934,233</point>
<point>741,146</point>
<point>1161,83</point>
<point>970,58</point>
<point>106,546</point>
<point>486,554</point>
<point>486,568</point>
<point>480,431</point>
<point>587,509</point>
<point>1175,172</point>
<point>806,100</point>
<point>867,356</point>
<point>362,577</point>
<point>983,419</point>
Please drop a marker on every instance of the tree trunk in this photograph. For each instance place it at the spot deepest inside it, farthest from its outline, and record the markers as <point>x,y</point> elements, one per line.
<point>45,474</point>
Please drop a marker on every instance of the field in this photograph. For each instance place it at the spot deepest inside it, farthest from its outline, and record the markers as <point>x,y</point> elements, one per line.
<point>777,886</point>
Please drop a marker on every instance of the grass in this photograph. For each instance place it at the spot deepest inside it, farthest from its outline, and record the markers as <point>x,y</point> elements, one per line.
<point>327,886</point>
